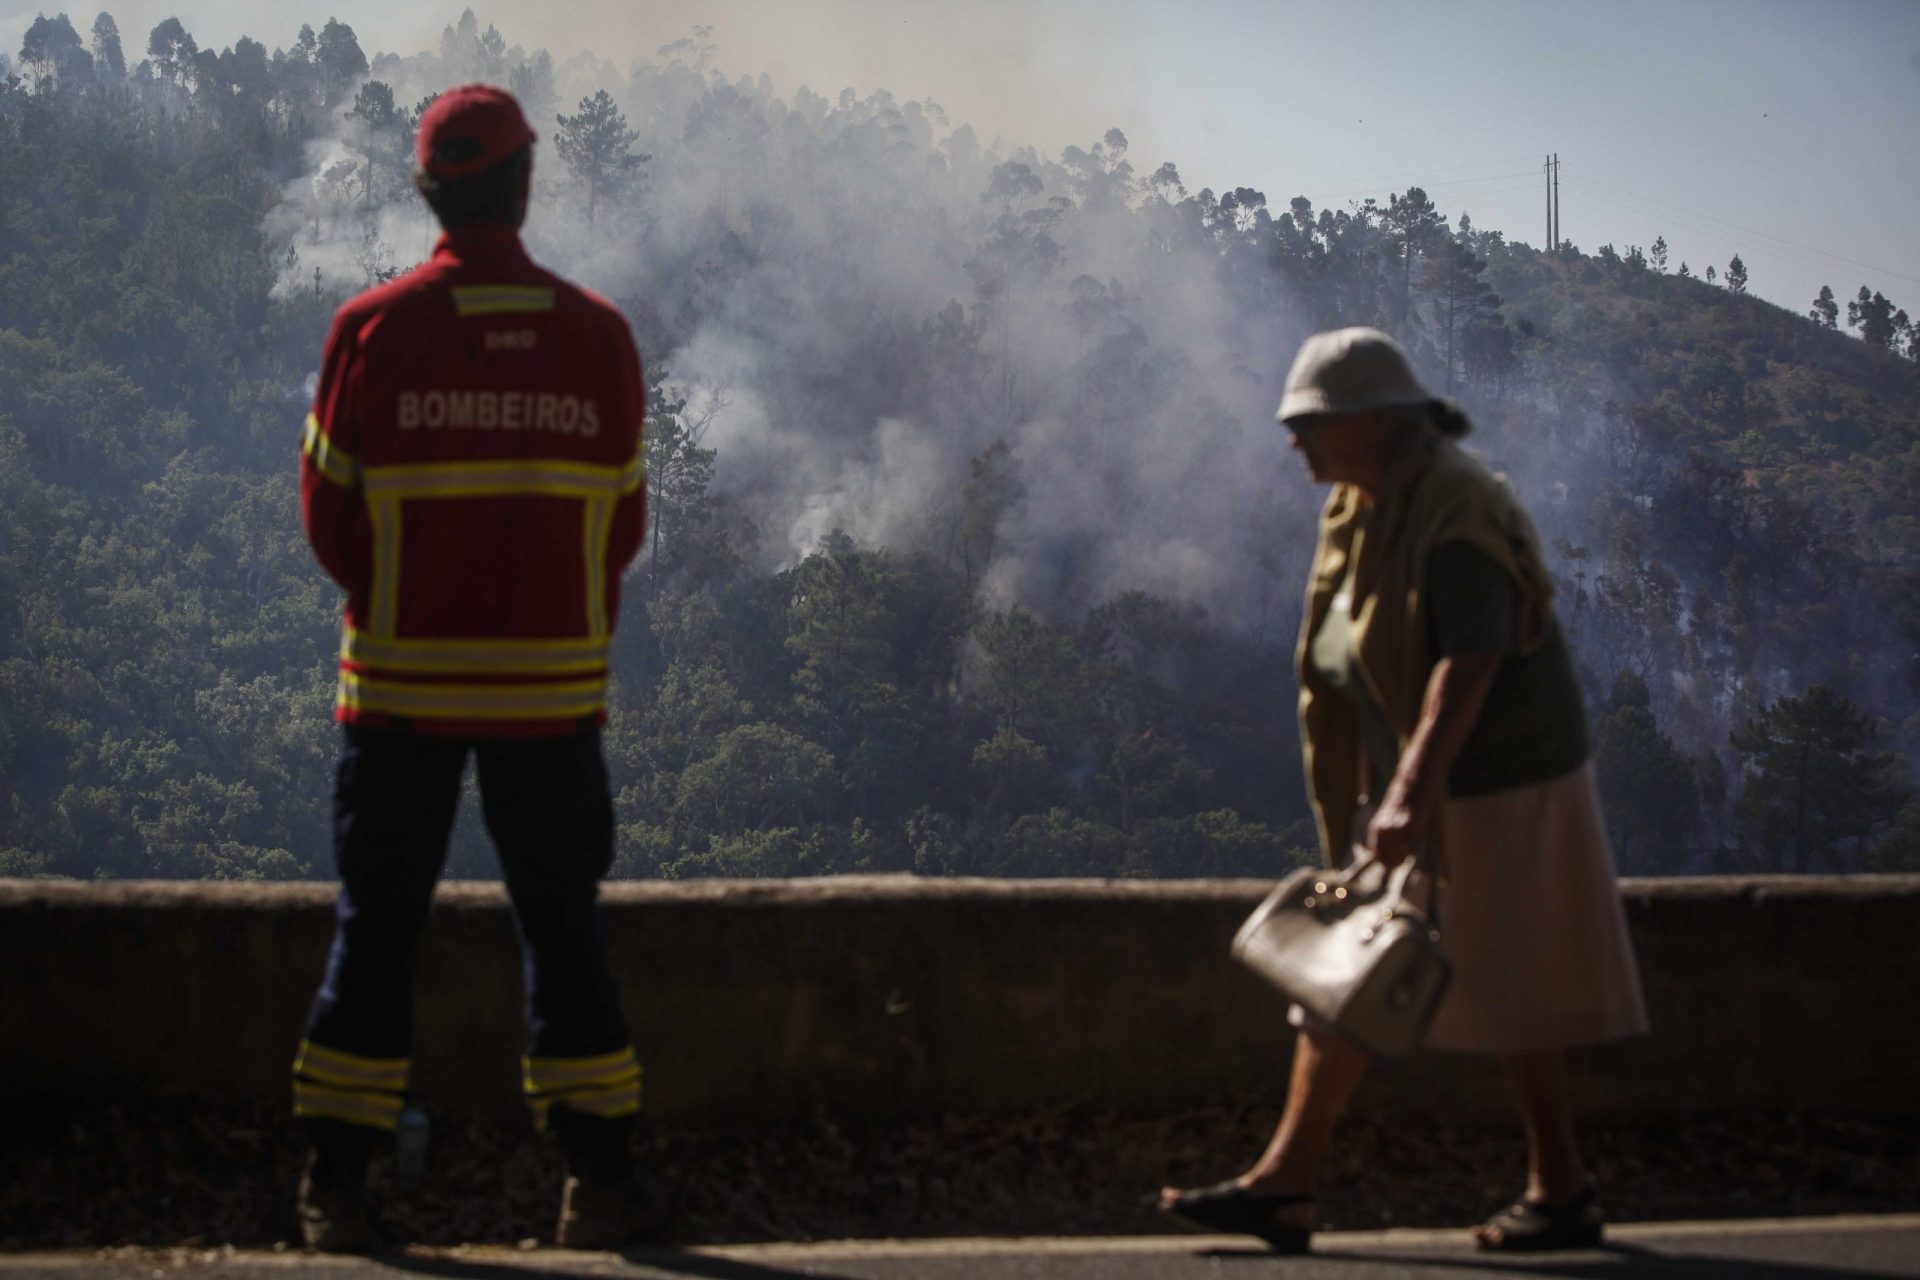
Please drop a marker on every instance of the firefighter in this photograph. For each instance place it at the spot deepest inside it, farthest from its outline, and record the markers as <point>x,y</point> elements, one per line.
<point>471,475</point>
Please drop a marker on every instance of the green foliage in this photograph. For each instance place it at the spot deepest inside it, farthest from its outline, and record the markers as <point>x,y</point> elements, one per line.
<point>1730,489</point>
<point>597,146</point>
<point>1652,800</point>
<point>1819,784</point>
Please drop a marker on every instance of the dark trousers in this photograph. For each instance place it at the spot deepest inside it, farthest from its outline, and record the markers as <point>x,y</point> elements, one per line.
<point>550,814</point>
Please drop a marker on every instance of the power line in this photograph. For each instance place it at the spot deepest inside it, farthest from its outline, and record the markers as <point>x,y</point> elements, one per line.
<point>1498,191</point>
<point>1788,251</point>
<point>1411,173</point>
<point>1779,240</point>
<point>1687,223</point>
<point>1454,182</point>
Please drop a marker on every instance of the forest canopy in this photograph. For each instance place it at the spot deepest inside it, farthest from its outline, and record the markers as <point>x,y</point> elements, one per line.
<point>973,547</point>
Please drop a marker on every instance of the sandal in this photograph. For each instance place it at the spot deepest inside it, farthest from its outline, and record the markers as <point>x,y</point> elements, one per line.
<point>1230,1207</point>
<point>1534,1226</point>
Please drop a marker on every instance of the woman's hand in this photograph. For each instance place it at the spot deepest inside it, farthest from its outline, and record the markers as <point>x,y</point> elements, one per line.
<point>1398,824</point>
<point>1455,692</point>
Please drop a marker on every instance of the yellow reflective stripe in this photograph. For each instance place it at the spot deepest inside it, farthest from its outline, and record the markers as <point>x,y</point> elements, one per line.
<point>375,1110</point>
<point>471,701</point>
<point>597,523</point>
<point>383,514</point>
<point>556,1073</point>
<point>500,299</point>
<point>607,1103</point>
<point>634,475</point>
<point>331,461</point>
<point>512,476</point>
<point>334,1066</point>
<point>453,657</point>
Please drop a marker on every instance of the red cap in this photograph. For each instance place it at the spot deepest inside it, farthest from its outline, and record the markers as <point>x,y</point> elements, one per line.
<point>468,129</point>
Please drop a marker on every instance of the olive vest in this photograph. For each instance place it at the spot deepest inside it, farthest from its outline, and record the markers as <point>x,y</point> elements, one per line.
<point>1434,492</point>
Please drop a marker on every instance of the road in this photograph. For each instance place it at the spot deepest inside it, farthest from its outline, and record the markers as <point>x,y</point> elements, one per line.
<point>1840,1248</point>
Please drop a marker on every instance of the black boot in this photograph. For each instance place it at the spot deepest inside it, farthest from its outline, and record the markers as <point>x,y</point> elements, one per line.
<point>606,1202</point>
<point>330,1206</point>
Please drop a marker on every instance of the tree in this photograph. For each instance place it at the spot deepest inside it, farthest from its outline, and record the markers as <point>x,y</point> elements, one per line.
<point>1816,779</point>
<point>172,50</point>
<point>679,473</point>
<point>1710,275</point>
<point>1872,314</point>
<point>1685,272</point>
<point>1010,185</point>
<point>1414,222</point>
<point>1652,799</point>
<point>531,82</point>
<point>1825,312</point>
<point>1657,254</point>
<point>52,50</point>
<point>339,59</point>
<point>1736,275</point>
<point>758,776</point>
<point>598,148</point>
<point>107,58</point>
<point>994,489</point>
<point>244,69</point>
<point>381,129</point>
<point>1464,300</point>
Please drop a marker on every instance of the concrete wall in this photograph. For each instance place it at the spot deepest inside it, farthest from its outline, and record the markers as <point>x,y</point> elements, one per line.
<point>897,996</point>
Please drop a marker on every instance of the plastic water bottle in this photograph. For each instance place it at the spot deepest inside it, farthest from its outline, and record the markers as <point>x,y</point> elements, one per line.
<point>412,1134</point>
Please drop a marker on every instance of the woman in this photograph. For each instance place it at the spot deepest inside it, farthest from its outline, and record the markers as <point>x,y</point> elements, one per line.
<point>1435,679</point>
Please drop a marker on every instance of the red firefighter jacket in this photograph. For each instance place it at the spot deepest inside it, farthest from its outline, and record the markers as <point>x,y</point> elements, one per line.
<point>472,475</point>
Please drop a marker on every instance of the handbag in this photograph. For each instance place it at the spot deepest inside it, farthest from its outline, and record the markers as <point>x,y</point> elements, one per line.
<point>1349,949</point>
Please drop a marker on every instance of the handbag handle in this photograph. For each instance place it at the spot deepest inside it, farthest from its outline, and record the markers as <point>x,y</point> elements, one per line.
<point>1395,890</point>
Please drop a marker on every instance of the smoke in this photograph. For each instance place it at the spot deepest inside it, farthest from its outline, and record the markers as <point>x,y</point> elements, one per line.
<point>859,298</point>
<point>862,303</point>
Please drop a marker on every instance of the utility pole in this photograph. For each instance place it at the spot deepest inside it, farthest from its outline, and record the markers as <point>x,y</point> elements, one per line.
<point>1557,232</point>
<point>1546,172</point>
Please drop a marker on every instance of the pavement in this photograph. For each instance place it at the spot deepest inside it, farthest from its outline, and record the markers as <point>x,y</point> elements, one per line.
<point>1820,1248</point>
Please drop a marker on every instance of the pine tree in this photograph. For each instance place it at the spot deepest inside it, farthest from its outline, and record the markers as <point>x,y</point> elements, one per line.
<point>1463,300</point>
<point>1825,312</point>
<point>1736,275</point>
<point>1657,254</point>
<point>1872,314</point>
<point>1710,274</point>
<point>381,129</point>
<point>1415,222</point>
<point>598,148</point>
<point>1816,777</point>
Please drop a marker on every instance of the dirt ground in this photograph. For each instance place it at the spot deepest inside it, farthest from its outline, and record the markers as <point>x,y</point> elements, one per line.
<point>169,1174</point>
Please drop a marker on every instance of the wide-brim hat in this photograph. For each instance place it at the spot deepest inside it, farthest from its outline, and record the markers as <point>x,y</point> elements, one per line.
<point>1353,370</point>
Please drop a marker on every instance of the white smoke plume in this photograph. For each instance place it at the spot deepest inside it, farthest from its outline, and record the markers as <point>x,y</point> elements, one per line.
<point>876,301</point>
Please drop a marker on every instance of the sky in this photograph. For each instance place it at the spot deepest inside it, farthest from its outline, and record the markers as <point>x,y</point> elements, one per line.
<point>1779,130</point>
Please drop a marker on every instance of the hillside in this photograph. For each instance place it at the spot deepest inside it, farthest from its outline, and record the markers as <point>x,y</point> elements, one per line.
<point>975,549</point>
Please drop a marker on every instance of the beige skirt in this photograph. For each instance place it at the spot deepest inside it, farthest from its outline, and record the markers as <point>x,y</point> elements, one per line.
<point>1530,916</point>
